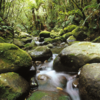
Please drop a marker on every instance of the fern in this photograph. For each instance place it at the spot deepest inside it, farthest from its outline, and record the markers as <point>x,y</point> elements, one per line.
<point>75,12</point>
<point>95,6</point>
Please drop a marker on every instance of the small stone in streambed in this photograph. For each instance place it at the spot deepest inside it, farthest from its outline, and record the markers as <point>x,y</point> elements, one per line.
<point>41,39</point>
<point>37,71</point>
<point>63,81</point>
<point>76,83</point>
<point>38,62</point>
<point>42,77</point>
<point>33,83</point>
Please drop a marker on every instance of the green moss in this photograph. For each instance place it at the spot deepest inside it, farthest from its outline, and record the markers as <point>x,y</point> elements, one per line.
<point>78,29</point>
<point>41,48</point>
<point>48,40</point>
<point>29,45</point>
<point>72,54</point>
<point>70,28</point>
<point>65,36</point>
<point>37,95</point>
<point>11,86</point>
<point>40,95</point>
<point>44,34</point>
<point>54,34</point>
<point>12,58</point>
<point>56,50</point>
<point>61,32</point>
<point>63,98</point>
<point>8,93</point>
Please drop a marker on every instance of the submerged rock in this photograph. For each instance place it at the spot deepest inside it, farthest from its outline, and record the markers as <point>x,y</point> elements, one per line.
<point>12,86</point>
<point>89,81</point>
<point>13,58</point>
<point>76,83</point>
<point>75,56</point>
<point>45,95</point>
<point>41,53</point>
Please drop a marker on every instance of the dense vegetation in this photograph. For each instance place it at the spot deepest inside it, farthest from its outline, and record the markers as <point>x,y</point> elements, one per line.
<point>32,16</point>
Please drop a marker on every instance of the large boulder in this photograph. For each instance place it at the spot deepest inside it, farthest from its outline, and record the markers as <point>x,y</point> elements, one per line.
<point>13,58</point>
<point>89,81</point>
<point>12,86</point>
<point>78,54</point>
<point>40,53</point>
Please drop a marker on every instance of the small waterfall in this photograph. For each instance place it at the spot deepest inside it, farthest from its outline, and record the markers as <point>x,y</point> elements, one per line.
<point>54,80</point>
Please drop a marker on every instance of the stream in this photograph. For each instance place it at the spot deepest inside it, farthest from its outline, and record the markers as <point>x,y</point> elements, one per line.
<point>48,79</point>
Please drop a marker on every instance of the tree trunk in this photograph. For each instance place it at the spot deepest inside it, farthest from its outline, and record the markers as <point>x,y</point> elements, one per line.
<point>34,19</point>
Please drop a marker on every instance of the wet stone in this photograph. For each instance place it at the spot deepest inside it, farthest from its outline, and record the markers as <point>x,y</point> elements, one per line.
<point>49,95</point>
<point>76,83</point>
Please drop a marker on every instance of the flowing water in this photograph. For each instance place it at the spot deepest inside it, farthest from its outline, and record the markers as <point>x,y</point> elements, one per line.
<point>54,81</point>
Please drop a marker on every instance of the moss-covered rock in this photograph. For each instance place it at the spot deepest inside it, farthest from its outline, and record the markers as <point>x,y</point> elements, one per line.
<point>2,40</point>
<point>13,59</point>
<point>24,35</point>
<point>54,34</point>
<point>30,45</point>
<point>78,54</point>
<point>89,81</point>
<point>49,40</point>
<point>50,45</point>
<point>71,40</point>
<point>12,86</point>
<point>66,35</point>
<point>69,28</point>
<point>44,34</point>
<point>45,95</point>
<point>97,39</point>
<point>80,33</point>
<point>61,32</point>
<point>40,53</point>
<point>58,66</point>
<point>18,43</point>
<point>26,40</point>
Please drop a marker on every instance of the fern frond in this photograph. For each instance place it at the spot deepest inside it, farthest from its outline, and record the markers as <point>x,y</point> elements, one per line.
<point>94,6</point>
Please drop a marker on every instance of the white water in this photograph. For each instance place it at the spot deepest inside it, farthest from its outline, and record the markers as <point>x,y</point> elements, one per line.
<point>54,80</point>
